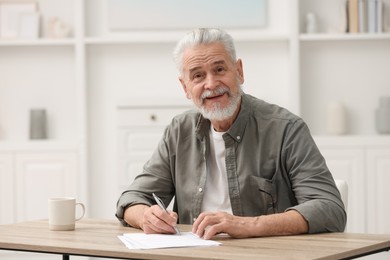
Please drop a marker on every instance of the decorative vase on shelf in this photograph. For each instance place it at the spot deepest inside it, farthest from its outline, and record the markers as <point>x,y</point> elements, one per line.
<point>336,118</point>
<point>38,124</point>
<point>311,23</point>
<point>382,115</point>
<point>57,28</point>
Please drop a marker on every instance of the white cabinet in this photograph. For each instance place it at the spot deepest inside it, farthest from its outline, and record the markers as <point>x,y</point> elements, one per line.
<point>6,192</point>
<point>348,164</point>
<point>364,163</point>
<point>29,178</point>
<point>378,191</point>
<point>40,176</point>
<point>139,131</point>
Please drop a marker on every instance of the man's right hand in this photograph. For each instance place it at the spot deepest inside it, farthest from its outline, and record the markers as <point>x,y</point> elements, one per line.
<point>152,220</point>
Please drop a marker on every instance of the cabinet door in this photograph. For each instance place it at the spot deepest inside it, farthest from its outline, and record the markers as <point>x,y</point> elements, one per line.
<point>6,192</point>
<point>40,176</point>
<point>348,165</point>
<point>378,192</point>
<point>136,146</point>
<point>139,132</point>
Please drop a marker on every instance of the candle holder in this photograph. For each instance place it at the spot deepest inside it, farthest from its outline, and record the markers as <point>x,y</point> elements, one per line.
<point>336,118</point>
<point>382,116</point>
<point>38,126</point>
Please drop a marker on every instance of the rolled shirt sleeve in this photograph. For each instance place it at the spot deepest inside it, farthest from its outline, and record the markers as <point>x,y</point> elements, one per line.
<point>319,200</point>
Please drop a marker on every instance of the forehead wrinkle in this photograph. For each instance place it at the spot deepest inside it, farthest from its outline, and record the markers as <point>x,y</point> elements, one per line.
<point>213,63</point>
<point>197,57</point>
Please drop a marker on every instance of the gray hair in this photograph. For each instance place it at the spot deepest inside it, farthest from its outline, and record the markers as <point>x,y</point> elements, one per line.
<point>203,36</point>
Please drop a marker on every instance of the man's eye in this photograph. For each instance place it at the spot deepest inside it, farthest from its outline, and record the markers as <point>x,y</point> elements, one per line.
<point>220,69</point>
<point>197,76</point>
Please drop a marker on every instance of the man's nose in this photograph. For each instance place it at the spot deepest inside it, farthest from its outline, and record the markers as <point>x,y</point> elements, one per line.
<point>211,81</point>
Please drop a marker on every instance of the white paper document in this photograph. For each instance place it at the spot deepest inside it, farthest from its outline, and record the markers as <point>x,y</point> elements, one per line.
<point>153,241</point>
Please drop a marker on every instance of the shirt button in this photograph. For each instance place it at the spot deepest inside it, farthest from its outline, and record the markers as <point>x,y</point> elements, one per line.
<point>238,137</point>
<point>200,189</point>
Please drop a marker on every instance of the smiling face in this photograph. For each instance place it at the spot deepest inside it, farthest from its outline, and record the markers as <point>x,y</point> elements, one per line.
<point>212,81</point>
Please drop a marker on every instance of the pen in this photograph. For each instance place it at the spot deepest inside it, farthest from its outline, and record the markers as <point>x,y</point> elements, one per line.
<point>162,206</point>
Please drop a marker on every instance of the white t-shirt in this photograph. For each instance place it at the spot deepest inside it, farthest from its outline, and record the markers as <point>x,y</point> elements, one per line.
<point>216,193</point>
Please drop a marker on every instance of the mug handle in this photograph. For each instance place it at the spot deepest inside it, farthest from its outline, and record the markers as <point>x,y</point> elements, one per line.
<point>83,207</point>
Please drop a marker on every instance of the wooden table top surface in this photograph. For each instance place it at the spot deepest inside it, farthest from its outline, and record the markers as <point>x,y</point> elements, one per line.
<point>97,237</point>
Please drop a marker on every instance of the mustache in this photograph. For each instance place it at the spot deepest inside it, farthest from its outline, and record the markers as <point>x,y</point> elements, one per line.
<point>216,92</point>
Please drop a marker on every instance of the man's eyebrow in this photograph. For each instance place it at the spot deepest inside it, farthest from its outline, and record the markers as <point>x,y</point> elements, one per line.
<point>194,69</point>
<point>218,62</point>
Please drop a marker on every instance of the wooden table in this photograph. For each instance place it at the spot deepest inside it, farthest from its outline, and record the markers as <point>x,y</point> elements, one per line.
<point>95,237</point>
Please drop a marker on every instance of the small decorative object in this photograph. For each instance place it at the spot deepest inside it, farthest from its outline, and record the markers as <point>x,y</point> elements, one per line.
<point>14,18</point>
<point>382,115</point>
<point>29,26</point>
<point>311,23</point>
<point>336,118</point>
<point>56,28</point>
<point>386,20</point>
<point>342,25</point>
<point>38,124</point>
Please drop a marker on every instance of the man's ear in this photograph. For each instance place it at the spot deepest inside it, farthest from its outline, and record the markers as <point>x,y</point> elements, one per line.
<point>240,71</point>
<point>183,84</point>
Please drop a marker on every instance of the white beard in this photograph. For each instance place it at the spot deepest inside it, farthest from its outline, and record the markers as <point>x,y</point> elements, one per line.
<point>216,113</point>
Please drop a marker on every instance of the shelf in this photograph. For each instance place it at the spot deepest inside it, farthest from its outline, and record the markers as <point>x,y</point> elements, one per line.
<point>258,35</point>
<point>343,37</point>
<point>38,42</point>
<point>352,140</point>
<point>38,145</point>
<point>153,102</point>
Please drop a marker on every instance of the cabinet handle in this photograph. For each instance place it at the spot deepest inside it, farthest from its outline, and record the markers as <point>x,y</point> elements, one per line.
<point>153,117</point>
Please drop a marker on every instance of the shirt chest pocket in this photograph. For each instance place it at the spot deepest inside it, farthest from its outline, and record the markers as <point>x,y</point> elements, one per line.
<point>265,197</point>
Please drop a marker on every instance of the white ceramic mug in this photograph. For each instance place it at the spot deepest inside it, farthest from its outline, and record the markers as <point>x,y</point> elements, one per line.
<point>62,213</point>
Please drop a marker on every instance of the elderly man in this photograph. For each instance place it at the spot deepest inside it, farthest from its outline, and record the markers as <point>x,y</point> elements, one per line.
<point>235,164</point>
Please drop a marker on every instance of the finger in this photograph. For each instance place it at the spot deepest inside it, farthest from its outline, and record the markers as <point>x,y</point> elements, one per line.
<point>206,220</point>
<point>213,230</point>
<point>162,220</point>
<point>147,224</point>
<point>151,229</point>
<point>174,215</point>
<point>164,215</point>
<point>195,225</point>
<point>158,227</point>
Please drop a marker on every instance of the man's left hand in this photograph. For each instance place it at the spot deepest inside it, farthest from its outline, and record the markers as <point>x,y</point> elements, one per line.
<point>209,224</point>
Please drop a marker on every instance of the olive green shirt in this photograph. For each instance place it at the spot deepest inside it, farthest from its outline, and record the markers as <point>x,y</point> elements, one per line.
<point>272,163</point>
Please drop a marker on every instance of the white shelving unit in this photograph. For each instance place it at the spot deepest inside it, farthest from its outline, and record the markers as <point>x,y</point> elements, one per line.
<point>43,73</point>
<point>350,68</point>
<point>80,81</point>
